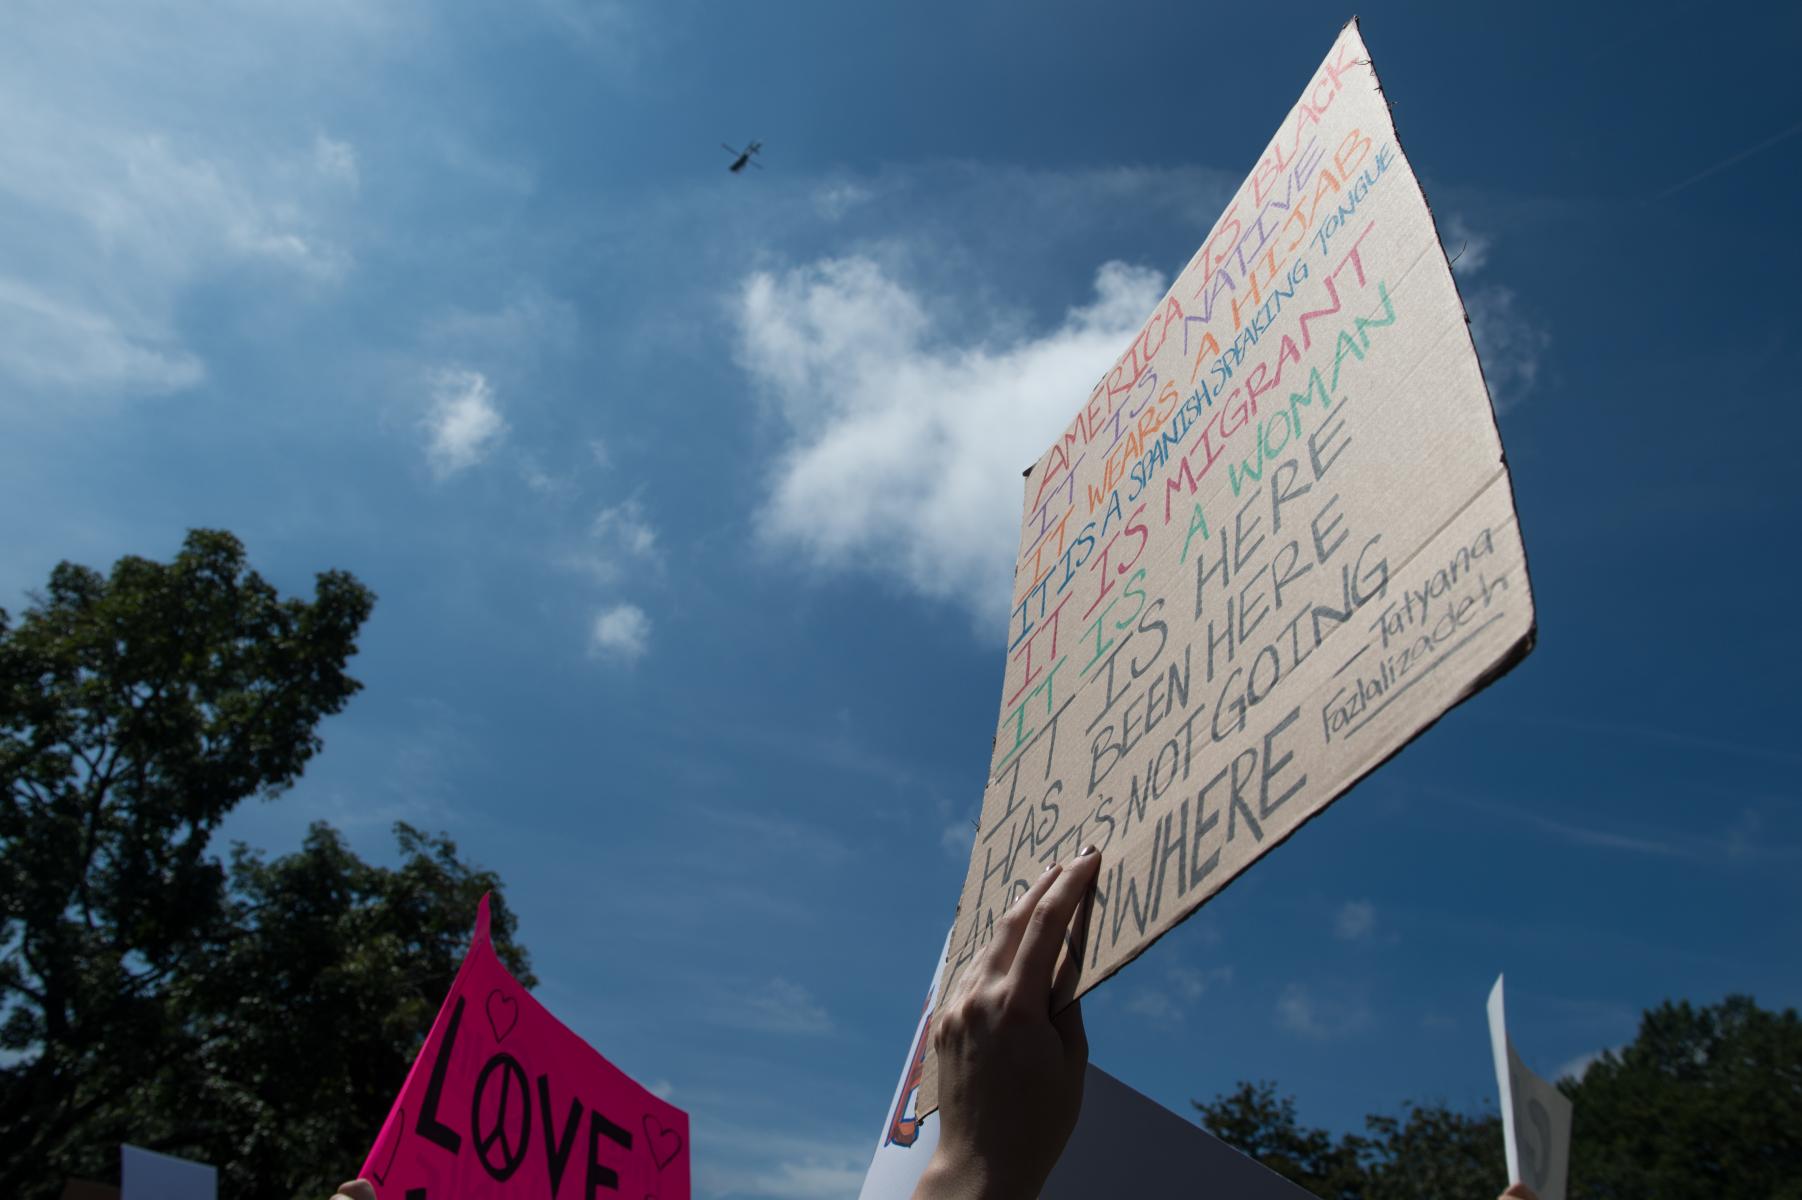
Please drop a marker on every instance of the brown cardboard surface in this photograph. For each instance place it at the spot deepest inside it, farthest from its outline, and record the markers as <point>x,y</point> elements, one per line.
<point>1275,544</point>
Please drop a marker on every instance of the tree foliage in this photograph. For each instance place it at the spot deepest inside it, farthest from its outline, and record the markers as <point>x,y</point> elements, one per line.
<point>1434,1153</point>
<point>1257,1121</point>
<point>136,710</point>
<point>258,1016</point>
<point>301,1023</point>
<point>1704,1101</point>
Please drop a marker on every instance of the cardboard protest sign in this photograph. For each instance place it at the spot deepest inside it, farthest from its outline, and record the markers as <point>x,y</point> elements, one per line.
<point>505,1101</point>
<point>1536,1116</point>
<point>1125,1144</point>
<point>147,1175</point>
<point>1275,544</point>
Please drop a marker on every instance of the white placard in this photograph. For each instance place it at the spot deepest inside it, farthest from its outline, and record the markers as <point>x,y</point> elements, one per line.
<point>147,1175</point>
<point>1536,1116</point>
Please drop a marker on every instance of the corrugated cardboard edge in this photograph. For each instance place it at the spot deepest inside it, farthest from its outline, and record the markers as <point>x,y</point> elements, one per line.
<point>927,1100</point>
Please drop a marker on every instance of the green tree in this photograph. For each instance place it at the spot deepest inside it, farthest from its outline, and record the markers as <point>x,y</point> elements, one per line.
<point>1703,1102</point>
<point>136,710</point>
<point>1256,1121</point>
<point>1427,1153</point>
<point>1434,1153</point>
<point>301,1024</point>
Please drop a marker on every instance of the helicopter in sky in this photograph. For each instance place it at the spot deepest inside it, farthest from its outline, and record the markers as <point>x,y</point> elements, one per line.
<point>744,156</point>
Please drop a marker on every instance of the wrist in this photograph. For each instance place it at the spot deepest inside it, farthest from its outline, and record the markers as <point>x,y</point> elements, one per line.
<point>954,1175</point>
<point>950,1176</point>
<point>941,1180</point>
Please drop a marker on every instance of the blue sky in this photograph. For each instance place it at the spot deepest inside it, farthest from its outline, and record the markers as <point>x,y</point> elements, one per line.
<point>690,497</point>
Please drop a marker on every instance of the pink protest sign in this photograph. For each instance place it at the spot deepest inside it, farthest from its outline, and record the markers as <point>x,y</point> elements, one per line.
<point>504,1101</point>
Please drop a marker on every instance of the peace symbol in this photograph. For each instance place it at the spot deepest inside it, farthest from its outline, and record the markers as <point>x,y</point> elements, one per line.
<point>512,1152</point>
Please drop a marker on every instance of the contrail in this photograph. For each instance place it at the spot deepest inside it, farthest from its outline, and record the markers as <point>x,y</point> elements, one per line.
<point>1791,132</point>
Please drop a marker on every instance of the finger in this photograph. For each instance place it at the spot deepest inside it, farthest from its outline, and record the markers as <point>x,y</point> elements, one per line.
<point>1076,1039</point>
<point>356,1189</point>
<point>1069,969</point>
<point>1013,924</point>
<point>1076,941</point>
<point>1047,925</point>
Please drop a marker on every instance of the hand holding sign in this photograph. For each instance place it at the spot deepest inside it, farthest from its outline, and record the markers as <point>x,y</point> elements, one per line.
<point>1123,1145</point>
<point>511,1103</point>
<point>1013,1071</point>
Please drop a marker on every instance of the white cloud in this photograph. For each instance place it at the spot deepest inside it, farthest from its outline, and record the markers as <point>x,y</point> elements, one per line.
<point>533,474</point>
<point>663,1089</point>
<point>598,25</point>
<point>622,632</point>
<point>1467,250</point>
<point>772,1161</point>
<point>776,1006</point>
<point>903,447</point>
<point>50,343</point>
<point>774,838</point>
<point>1183,986</point>
<point>336,160</point>
<point>1355,921</point>
<point>1204,929</point>
<point>136,220</point>
<point>529,322</point>
<point>1743,838</point>
<point>1155,1006</point>
<point>833,200</point>
<point>1192,983</point>
<point>1579,1066</point>
<point>1509,343</point>
<point>129,175</point>
<point>624,525</point>
<point>620,538</point>
<point>957,838</point>
<point>1295,1012</point>
<point>171,206</point>
<point>1299,1011</point>
<point>808,1179</point>
<point>462,425</point>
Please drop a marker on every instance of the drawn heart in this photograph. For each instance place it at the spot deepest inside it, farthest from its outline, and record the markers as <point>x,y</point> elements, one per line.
<point>503,1014</point>
<point>400,1128</point>
<point>664,1144</point>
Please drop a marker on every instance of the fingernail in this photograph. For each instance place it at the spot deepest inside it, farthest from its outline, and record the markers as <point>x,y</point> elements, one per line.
<point>1086,851</point>
<point>1049,868</point>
